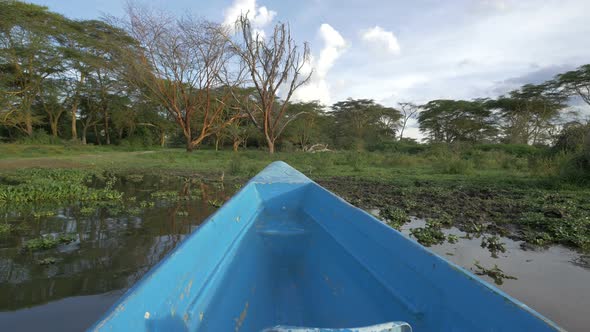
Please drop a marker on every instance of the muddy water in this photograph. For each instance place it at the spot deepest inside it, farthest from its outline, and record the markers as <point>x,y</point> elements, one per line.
<point>115,245</point>
<point>554,281</point>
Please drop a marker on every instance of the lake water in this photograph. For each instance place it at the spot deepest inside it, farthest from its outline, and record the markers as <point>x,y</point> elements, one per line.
<point>553,281</point>
<point>69,287</point>
<point>116,244</point>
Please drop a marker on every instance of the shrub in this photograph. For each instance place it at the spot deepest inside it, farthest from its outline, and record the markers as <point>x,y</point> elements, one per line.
<point>576,169</point>
<point>322,161</point>
<point>39,136</point>
<point>136,143</point>
<point>286,146</point>
<point>400,147</point>
<point>521,150</point>
<point>572,138</point>
<point>398,159</point>
<point>355,160</point>
<point>453,165</point>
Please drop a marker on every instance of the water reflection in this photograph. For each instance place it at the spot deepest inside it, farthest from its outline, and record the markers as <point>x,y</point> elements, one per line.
<point>551,281</point>
<point>116,244</point>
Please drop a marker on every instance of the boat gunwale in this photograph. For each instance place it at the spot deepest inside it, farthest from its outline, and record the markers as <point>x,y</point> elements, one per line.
<point>267,177</point>
<point>117,306</point>
<point>418,246</point>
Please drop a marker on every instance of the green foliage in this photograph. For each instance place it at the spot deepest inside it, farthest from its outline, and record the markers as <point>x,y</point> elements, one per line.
<point>48,241</point>
<point>43,214</point>
<point>576,82</point>
<point>87,211</point>
<point>358,123</point>
<point>452,238</point>
<point>235,166</point>
<point>495,273</point>
<point>403,147</point>
<point>5,228</point>
<point>39,137</point>
<point>56,185</point>
<point>322,162</point>
<point>429,235</point>
<point>453,165</point>
<point>47,261</point>
<point>355,160</point>
<point>215,203</point>
<point>166,195</point>
<point>451,121</point>
<point>520,150</point>
<point>493,244</point>
<point>395,217</point>
<point>572,138</point>
<point>576,168</point>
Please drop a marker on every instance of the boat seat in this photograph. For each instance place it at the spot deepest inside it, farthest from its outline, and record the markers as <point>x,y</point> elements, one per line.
<point>385,327</point>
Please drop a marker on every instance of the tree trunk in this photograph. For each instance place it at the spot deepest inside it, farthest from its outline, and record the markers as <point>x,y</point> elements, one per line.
<point>217,139</point>
<point>84,132</point>
<point>162,138</point>
<point>271,145</point>
<point>106,129</point>
<point>53,124</point>
<point>29,124</point>
<point>97,135</point>
<point>74,129</point>
<point>401,134</point>
<point>189,139</point>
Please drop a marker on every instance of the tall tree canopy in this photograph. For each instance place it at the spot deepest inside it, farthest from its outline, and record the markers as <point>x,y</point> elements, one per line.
<point>30,52</point>
<point>577,82</point>
<point>360,121</point>
<point>450,121</point>
<point>528,115</point>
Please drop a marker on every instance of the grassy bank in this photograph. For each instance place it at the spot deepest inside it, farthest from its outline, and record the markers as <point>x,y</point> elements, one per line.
<point>515,192</point>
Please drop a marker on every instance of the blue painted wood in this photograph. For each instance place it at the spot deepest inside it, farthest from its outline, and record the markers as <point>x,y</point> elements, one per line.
<point>286,252</point>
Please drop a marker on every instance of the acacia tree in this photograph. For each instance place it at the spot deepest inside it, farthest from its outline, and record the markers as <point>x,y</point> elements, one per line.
<point>361,121</point>
<point>52,100</point>
<point>527,115</point>
<point>91,49</point>
<point>408,111</point>
<point>450,121</point>
<point>181,64</point>
<point>28,56</point>
<point>577,82</point>
<point>274,63</point>
<point>307,128</point>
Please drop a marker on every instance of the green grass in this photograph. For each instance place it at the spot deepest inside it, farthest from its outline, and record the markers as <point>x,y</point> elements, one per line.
<point>436,164</point>
<point>48,242</point>
<point>470,187</point>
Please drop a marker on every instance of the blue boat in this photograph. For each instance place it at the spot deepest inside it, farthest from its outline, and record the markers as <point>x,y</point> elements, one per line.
<point>285,254</point>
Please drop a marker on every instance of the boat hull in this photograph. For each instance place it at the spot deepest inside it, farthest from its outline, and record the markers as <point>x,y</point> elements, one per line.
<point>286,252</point>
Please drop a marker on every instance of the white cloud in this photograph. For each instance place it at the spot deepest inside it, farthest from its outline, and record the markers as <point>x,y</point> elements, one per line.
<point>494,4</point>
<point>318,88</point>
<point>259,16</point>
<point>382,40</point>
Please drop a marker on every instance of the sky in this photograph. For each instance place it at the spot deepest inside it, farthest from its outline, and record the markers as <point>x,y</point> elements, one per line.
<point>396,51</point>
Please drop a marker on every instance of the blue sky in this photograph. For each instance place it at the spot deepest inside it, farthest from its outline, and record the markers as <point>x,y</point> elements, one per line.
<point>394,51</point>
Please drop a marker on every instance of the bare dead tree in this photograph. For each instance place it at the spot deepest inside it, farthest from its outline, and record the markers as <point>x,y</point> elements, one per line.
<point>275,65</point>
<point>179,65</point>
<point>408,111</point>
